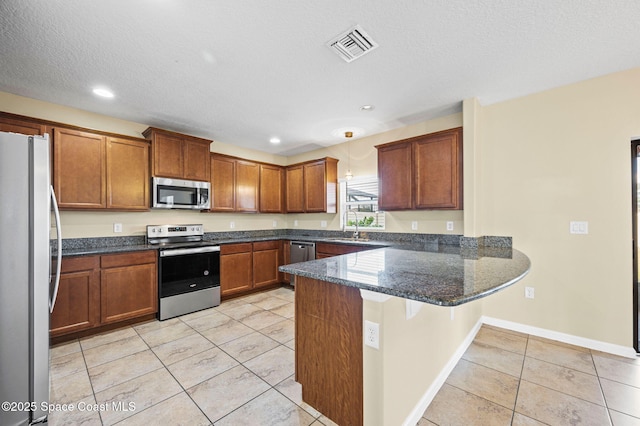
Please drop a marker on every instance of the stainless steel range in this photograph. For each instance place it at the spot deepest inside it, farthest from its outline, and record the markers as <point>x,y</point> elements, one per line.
<point>188,269</point>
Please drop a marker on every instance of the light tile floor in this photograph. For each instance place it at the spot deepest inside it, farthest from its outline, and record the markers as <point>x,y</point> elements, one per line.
<point>510,378</point>
<point>234,365</point>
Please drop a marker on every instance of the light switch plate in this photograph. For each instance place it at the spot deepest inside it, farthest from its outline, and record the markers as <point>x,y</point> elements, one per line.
<point>295,223</point>
<point>323,223</point>
<point>232,224</point>
<point>414,225</point>
<point>576,227</point>
<point>275,223</point>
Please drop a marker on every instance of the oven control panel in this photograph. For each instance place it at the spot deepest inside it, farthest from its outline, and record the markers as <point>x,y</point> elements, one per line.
<point>163,231</point>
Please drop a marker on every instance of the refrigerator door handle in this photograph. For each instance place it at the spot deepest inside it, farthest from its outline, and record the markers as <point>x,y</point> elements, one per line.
<point>56,212</point>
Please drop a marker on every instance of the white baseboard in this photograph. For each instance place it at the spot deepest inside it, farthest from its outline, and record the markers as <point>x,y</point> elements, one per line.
<point>597,345</point>
<point>431,392</point>
<point>426,399</point>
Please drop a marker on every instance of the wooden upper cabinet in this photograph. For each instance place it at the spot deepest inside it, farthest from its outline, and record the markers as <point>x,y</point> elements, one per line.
<point>127,174</point>
<point>395,177</point>
<point>168,160</point>
<point>223,184</point>
<point>196,160</point>
<point>271,188</point>
<point>312,187</point>
<point>438,171</point>
<point>79,176</point>
<point>23,125</point>
<point>234,184</point>
<point>247,183</point>
<point>179,156</point>
<point>295,189</point>
<point>424,172</point>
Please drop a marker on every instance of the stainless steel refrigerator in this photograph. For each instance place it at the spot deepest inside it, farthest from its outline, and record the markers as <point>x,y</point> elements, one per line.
<point>27,289</point>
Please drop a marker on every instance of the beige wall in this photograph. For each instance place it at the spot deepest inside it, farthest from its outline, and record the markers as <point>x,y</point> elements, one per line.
<point>548,159</point>
<point>363,162</point>
<point>412,354</point>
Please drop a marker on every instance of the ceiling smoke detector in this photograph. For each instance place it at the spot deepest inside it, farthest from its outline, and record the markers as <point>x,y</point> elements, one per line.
<point>352,44</point>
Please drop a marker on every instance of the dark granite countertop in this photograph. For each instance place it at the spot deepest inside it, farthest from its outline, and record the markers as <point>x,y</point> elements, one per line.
<point>445,275</point>
<point>97,246</point>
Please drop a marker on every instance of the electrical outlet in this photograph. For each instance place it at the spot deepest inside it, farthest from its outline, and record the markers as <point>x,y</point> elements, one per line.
<point>372,334</point>
<point>117,227</point>
<point>449,226</point>
<point>529,292</point>
<point>275,223</point>
<point>232,224</point>
<point>295,223</point>
<point>323,223</point>
<point>414,225</point>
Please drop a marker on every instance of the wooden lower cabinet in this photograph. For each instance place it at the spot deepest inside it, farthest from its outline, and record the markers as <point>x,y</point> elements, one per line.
<point>328,351</point>
<point>236,268</point>
<point>77,306</point>
<point>324,250</point>
<point>99,290</point>
<point>246,266</point>
<point>266,260</point>
<point>129,286</point>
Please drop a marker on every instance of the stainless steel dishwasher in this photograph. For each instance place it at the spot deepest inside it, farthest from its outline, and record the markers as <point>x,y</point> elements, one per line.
<point>301,251</point>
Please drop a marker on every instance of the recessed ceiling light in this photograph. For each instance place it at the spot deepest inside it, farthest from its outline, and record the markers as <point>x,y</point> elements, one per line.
<point>367,108</point>
<point>274,140</point>
<point>105,93</point>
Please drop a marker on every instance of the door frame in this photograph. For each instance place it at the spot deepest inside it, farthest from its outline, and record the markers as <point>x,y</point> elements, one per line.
<point>635,146</point>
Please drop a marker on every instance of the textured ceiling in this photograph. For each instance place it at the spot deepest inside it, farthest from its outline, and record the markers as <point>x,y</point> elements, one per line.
<point>241,72</point>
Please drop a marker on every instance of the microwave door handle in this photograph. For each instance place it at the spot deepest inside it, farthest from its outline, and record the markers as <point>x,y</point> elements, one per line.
<point>56,212</point>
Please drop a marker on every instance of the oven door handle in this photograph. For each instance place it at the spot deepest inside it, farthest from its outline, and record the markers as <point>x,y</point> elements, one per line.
<point>193,250</point>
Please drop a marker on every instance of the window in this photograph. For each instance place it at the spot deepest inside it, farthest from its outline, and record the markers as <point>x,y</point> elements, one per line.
<point>359,199</point>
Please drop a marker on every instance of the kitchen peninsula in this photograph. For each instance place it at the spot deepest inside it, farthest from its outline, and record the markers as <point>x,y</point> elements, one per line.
<point>354,385</point>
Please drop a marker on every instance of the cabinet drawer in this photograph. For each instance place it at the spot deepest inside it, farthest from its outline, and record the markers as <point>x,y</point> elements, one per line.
<point>128,259</point>
<point>266,245</point>
<point>235,248</point>
<point>80,263</point>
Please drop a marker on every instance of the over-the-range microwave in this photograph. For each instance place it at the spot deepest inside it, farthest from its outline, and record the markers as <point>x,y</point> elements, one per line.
<point>180,194</point>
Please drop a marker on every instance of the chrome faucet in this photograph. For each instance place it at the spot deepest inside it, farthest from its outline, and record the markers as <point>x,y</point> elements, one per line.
<point>356,234</point>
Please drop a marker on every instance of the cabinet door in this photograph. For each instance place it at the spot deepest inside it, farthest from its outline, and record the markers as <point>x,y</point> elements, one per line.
<point>315,189</point>
<point>266,259</point>
<point>25,127</point>
<point>77,306</point>
<point>247,182</point>
<point>79,169</point>
<point>168,157</point>
<point>271,189</point>
<point>295,189</point>
<point>236,268</point>
<point>223,183</point>
<point>129,286</point>
<point>395,177</point>
<point>127,174</point>
<point>438,171</point>
<point>196,160</point>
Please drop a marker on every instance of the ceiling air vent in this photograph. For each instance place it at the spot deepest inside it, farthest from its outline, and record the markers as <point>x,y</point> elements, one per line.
<point>352,44</point>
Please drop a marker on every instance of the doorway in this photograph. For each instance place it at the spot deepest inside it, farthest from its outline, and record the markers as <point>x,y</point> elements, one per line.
<point>635,187</point>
